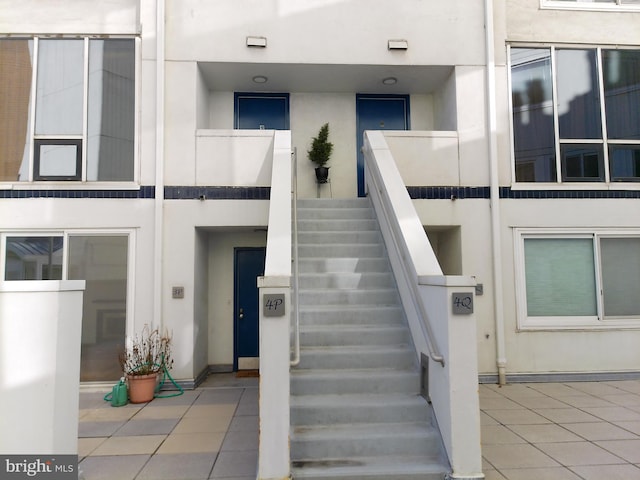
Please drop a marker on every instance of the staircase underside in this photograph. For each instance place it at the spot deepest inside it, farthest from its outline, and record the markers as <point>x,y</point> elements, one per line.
<point>356,412</point>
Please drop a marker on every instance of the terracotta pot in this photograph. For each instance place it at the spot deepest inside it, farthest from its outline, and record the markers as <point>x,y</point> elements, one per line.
<point>142,387</point>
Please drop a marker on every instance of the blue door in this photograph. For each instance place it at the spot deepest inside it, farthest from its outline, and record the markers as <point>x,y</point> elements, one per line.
<point>378,112</point>
<point>249,265</point>
<point>262,111</point>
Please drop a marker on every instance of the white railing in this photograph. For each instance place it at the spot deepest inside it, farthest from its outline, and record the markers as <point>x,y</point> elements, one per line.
<point>296,295</point>
<point>275,314</point>
<point>427,297</point>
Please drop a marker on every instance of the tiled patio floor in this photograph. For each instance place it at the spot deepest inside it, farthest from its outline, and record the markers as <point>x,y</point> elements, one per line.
<point>561,431</point>
<point>541,431</point>
<point>207,433</point>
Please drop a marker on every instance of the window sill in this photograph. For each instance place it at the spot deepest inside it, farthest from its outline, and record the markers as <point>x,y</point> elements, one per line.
<point>70,186</point>
<point>575,186</point>
<point>589,7</point>
<point>581,324</point>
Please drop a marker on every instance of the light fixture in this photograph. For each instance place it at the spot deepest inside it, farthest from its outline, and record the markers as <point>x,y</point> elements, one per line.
<point>259,79</point>
<point>260,42</point>
<point>390,81</point>
<point>398,44</point>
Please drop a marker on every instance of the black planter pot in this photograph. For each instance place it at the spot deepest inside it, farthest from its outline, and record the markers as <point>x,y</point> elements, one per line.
<point>322,174</point>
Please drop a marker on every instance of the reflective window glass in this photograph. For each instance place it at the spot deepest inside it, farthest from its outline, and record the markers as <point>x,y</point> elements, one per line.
<point>60,91</point>
<point>620,258</point>
<point>621,75</point>
<point>33,258</point>
<point>533,115</point>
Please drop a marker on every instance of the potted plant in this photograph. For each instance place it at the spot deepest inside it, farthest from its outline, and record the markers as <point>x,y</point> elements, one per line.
<point>320,152</point>
<point>146,355</point>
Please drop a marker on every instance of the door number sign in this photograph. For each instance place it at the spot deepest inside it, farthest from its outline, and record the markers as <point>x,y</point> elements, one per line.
<point>462,303</point>
<point>273,305</point>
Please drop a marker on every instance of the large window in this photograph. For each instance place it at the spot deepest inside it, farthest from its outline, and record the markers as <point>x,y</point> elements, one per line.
<point>618,5</point>
<point>575,114</point>
<point>67,109</point>
<point>578,279</point>
<point>101,259</point>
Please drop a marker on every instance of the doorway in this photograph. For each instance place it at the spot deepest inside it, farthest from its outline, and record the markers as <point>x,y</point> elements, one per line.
<point>248,266</point>
<point>261,111</point>
<point>378,112</point>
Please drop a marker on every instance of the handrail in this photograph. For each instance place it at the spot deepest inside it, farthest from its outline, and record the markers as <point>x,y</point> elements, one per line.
<point>375,174</point>
<point>294,205</point>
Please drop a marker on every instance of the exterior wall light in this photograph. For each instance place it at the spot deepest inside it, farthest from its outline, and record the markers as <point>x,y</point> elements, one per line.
<point>260,42</point>
<point>390,81</point>
<point>398,45</point>
<point>259,79</point>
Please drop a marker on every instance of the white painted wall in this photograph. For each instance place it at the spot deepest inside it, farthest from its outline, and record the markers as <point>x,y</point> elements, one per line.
<point>40,323</point>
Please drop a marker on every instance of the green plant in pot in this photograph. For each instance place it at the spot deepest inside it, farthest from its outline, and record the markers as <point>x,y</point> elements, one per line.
<point>145,357</point>
<point>320,153</point>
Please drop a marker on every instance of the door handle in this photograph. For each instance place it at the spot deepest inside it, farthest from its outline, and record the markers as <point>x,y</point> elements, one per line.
<point>241,315</point>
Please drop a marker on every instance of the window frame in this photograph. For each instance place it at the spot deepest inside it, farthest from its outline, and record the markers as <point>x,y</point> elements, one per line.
<point>560,183</point>
<point>79,181</point>
<point>597,322</point>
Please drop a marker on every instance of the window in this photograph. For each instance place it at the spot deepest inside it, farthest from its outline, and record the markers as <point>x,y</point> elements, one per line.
<point>68,109</point>
<point>578,279</point>
<point>575,114</point>
<point>101,259</point>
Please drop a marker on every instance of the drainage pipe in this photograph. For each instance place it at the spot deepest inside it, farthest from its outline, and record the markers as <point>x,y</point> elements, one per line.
<point>494,201</point>
<point>159,177</point>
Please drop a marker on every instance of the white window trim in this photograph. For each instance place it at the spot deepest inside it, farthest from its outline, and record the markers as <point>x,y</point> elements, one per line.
<point>598,322</point>
<point>83,184</point>
<point>589,6</point>
<point>559,184</point>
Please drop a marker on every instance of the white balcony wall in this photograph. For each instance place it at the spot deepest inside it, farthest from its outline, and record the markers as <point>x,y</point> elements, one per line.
<point>426,158</point>
<point>234,157</point>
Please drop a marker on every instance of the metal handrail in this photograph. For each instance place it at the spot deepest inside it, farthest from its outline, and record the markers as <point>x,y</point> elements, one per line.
<point>294,205</point>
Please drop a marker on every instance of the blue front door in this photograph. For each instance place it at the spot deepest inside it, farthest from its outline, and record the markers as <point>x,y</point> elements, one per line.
<point>378,112</point>
<point>262,111</point>
<point>249,265</point>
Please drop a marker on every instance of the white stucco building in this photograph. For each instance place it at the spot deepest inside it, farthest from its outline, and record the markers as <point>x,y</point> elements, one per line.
<point>137,144</point>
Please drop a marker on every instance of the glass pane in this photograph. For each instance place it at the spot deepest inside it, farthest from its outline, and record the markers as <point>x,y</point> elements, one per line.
<point>582,163</point>
<point>622,93</point>
<point>59,91</point>
<point>58,161</point>
<point>533,115</point>
<point>624,162</point>
<point>111,110</point>
<point>102,262</point>
<point>578,94</point>
<point>16,69</point>
<point>620,276</point>
<point>33,258</point>
<point>560,279</point>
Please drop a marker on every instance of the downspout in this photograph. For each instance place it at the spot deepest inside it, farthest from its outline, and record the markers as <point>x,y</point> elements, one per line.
<point>494,188</point>
<point>159,180</point>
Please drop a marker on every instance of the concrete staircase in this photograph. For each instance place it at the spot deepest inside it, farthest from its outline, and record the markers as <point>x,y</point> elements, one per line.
<point>356,412</point>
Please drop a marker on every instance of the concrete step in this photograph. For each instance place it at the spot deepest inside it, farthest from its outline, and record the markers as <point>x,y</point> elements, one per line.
<point>346,381</point>
<point>334,203</point>
<point>351,315</point>
<point>335,213</point>
<point>362,296</point>
<point>344,280</point>
<point>345,335</point>
<point>335,225</point>
<point>339,236</point>
<point>343,265</point>
<point>382,467</point>
<point>357,440</point>
<point>357,356</point>
<point>314,410</point>
<point>341,250</point>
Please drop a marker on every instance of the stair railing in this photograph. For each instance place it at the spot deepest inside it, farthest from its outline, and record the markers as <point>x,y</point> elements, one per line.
<point>295,297</point>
